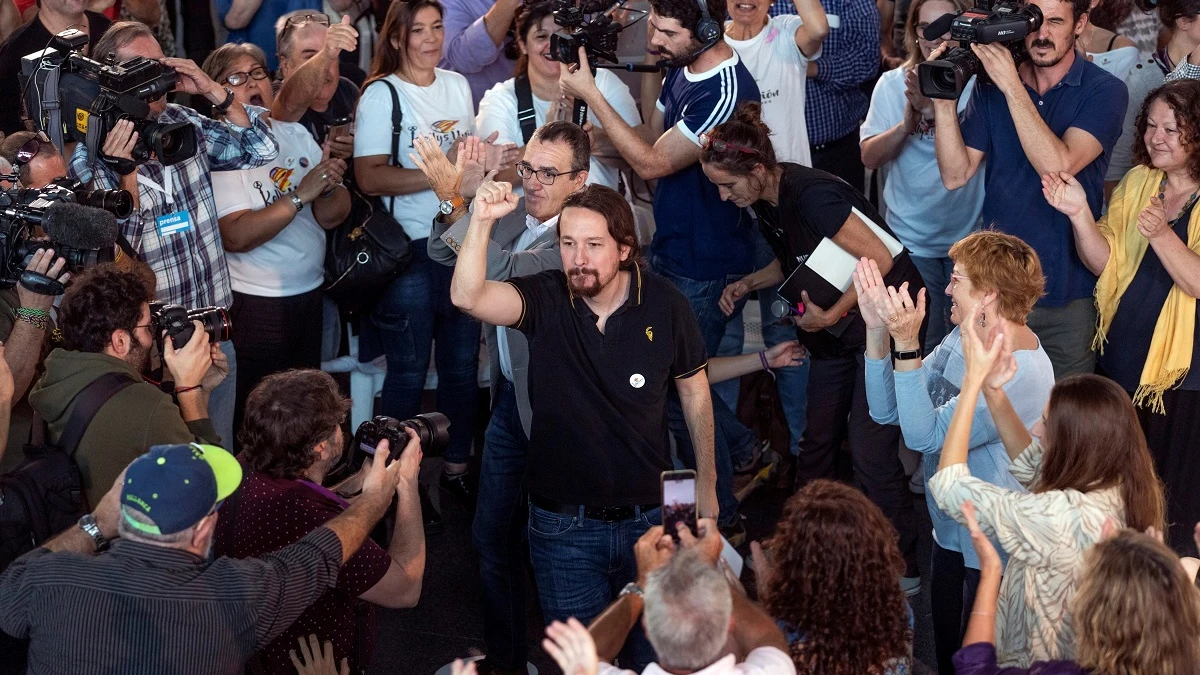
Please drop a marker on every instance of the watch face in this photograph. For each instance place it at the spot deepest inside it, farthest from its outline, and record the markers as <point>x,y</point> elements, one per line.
<point>446,207</point>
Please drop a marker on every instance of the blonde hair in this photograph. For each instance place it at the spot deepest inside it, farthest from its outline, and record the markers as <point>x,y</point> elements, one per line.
<point>1136,612</point>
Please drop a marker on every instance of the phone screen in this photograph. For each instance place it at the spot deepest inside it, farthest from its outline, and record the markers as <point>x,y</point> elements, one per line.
<point>679,500</point>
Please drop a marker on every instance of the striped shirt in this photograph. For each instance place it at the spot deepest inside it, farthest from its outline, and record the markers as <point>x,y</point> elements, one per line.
<point>186,254</point>
<point>141,608</point>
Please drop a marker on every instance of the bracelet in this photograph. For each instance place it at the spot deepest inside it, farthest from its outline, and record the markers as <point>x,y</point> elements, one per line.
<point>37,318</point>
<point>762,356</point>
<point>184,390</point>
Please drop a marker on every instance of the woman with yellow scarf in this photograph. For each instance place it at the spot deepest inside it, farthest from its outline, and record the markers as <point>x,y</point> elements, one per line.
<point>1146,249</point>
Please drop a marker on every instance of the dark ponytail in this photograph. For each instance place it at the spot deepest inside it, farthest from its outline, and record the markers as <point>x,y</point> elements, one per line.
<point>744,130</point>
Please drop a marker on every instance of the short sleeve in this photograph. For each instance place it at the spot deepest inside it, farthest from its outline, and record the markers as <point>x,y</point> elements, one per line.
<point>230,193</point>
<point>498,112</point>
<point>1102,114</point>
<point>886,110</point>
<point>824,208</point>
<point>373,123</point>
<point>766,661</point>
<point>618,96</point>
<point>785,42</point>
<point>690,353</point>
<point>364,569</point>
<point>711,107</point>
<point>537,293</point>
<point>975,128</point>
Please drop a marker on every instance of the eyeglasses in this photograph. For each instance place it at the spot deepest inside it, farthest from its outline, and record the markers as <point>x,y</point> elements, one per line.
<point>302,19</point>
<point>707,141</point>
<point>544,176</point>
<point>30,148</point>
<point>237,79</point>
<point>955,278</point>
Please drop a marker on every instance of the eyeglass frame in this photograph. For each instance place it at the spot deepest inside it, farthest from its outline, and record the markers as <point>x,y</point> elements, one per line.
<point>707,141</point>
<point>302,20</point>
<point>955,278</point>
<point>522,165</point>
<point>25,155</point>
<point>248,74</point>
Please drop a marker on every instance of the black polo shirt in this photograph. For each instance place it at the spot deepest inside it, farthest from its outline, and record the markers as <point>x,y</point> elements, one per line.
<point>599,400</point>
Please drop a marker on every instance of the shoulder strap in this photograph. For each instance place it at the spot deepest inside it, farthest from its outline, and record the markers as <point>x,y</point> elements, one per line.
<point>87,403</point>
<point>525,112</point>
<point>397,129</point>
<point>1110,43</point>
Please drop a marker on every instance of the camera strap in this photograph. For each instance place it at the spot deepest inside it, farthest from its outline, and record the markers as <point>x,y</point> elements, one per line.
<point>168,187</point>
<point>526,115</point>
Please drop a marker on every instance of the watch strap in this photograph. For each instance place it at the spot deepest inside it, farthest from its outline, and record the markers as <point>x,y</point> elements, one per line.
<point>906,355</point>
<point>224,105</point>
<point>632,588</point>
<point>88,524</point>
<point>297,202</point>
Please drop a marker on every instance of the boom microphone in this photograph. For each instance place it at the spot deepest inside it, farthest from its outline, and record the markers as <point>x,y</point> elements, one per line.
<point>939,27</point>
<point>81,227</point>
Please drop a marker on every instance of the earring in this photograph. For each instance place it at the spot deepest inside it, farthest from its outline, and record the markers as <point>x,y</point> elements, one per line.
<point>982,320</point>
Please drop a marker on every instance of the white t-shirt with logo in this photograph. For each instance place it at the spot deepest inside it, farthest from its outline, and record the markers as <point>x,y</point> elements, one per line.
<point>292,262</point>
<point>498,112</point>
<point>444,110</point>
<point>780,69</point>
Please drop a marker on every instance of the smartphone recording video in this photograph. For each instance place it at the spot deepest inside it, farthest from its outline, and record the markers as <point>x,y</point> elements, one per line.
<point>678,501</point>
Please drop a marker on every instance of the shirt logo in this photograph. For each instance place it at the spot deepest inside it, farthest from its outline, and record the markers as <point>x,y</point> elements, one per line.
<point>650,333</point>
<point>444,126</point>
<point>282,178</point>
<point>637,381</point>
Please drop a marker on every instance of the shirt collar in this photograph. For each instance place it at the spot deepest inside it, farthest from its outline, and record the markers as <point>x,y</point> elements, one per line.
<point>150,554</point>
<point>539,228</point>
<point>726,664</point>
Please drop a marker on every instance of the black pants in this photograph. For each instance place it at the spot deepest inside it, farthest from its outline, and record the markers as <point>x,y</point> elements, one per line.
<point>842,158</point>
<point>272,335</point>
<point>1172,439</point>
<point>837,410</point>
<point>952,587</point>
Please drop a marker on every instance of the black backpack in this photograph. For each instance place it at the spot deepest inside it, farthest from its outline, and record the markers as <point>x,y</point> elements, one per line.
<point>43,495</point>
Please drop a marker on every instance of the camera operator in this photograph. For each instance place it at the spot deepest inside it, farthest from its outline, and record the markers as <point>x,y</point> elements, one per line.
<point>53,17</point>
<point>157,602</point>
<point>1056,112</point>
<point>106,327</point>
<point>695,614</point>
<point>291,437</point>
<point>309,52</point>
<point>175,227</point>
<point>606,340</point>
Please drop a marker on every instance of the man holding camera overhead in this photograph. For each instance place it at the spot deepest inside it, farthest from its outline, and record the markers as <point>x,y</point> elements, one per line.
<point>1056,112</point>
<point>175,227</point>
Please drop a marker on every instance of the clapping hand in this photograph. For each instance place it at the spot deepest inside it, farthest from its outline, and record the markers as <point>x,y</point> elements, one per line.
<point>989,559</point>
<point>314,660</point>
<point>572,647</point>
<point>1064,193</point>
<point>989,365</point>
<point>872,294</point>
<point>1152,221</point>
<point>498,156</point>
<point>445,179</point>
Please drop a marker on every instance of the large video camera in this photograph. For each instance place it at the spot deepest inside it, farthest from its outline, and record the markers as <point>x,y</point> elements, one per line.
<point>176,321</point>
<point>83,235</point>
<point>433,429</point>
<point>587,25</point>
<point>96,95</point>
<point>988,22</point>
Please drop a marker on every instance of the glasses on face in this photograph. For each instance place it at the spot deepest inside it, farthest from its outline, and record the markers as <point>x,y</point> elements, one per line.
<point>240,78</point>
<point>707,141</point>
<point>30,148</point>
<point>955,278</point>
<point>544,176</point>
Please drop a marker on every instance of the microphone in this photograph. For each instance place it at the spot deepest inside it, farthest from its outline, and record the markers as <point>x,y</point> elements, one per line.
<point>939,27</point>
<point>81,227</point>
<point>783,311</point>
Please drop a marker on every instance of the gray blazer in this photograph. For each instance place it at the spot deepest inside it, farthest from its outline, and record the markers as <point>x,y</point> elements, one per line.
<point>502,263</point>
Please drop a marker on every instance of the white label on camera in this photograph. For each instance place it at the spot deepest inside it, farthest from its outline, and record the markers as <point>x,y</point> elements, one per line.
<point>637,381</point>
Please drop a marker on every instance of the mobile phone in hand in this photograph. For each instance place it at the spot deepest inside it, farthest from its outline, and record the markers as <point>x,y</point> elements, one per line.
<point>342,126</point>
<point>678,501</point>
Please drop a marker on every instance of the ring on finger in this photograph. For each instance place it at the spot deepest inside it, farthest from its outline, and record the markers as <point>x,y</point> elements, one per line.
<point>324,176</point>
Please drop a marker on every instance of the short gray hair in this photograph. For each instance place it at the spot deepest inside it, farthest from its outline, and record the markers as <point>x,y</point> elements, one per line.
<point>688,607</point>
<point>180,539</point>
<point>222,58</point>
<point>119,35</point>
<point>283,38</point>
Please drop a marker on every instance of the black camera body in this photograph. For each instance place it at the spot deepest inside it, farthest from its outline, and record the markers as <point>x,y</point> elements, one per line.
<point>432,428</point>
<point>988,22</point>
<point>83,235</point>
<point>95,95</point>
<point>176,321</point>
<point>71,191</point>
<point>586,25</point>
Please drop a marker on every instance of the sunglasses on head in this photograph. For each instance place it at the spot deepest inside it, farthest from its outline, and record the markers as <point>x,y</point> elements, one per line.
<point>707,141</point>
<point>29,149</point>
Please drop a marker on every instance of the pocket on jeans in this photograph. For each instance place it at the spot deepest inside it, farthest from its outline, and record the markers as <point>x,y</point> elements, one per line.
<point>652,518</point>
<point>547,524</point>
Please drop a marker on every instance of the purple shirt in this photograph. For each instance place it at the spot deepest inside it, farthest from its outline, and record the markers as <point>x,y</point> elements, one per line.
<point>469,50</point>
<point>980,659</point>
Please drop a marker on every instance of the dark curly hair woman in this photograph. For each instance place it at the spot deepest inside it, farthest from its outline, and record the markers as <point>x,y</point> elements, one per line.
<point>832,584</point>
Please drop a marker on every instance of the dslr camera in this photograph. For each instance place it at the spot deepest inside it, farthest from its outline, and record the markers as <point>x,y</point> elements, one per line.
<point>585,25</point>
<point>71,191</point>
<point>176,321</point>
<point>987,22</point>
<point>95,95</point>
<point>433,429</point>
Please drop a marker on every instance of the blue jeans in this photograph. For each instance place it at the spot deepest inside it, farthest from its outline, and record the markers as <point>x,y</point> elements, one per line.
<point>415,312</point>
<point>222,402</point>
<point>582,564</point>
<point>936,273</point>
<point>792,381</point>
<point>499,532</point>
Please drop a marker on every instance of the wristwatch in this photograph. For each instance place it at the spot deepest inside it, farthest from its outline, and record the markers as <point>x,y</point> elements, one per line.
<point>448,206</point>
<point>906,355</point>
<point>296,202</point>
<point>88,524</point>
<point>224,105</point>
<point>632,589</point>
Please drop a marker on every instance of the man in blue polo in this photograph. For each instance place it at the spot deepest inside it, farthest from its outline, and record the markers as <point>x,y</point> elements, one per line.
<point>1056,112</point>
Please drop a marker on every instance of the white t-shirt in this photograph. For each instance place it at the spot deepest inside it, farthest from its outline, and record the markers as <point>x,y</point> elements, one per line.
<point>779,68</point>
<point>1116,62</point>
<point>760,661</point>
<point>498,112</point>
<point>292,262</point>
<point>443,110</point>
<point>924,215</point>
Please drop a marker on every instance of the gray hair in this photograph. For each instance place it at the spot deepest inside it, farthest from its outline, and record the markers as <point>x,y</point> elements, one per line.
<point>181,539</point>
<point>283,38</point>
<point>118,36</point>
<point>218,63</point>
<point>688,607</point>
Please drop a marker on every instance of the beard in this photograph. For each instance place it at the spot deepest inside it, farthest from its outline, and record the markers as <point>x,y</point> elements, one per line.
<point>672,60</point>
<point>1048,61</point>
<point>139,356</point>
<point>585,281</point>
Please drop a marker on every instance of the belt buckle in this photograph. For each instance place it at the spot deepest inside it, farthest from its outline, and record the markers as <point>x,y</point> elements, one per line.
<point>610,514</point>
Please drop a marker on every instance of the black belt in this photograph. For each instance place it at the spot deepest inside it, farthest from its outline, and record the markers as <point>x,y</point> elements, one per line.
<point>608,514</point>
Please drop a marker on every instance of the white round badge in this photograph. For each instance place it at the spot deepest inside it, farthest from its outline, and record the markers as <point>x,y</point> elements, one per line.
<point>636,381</point>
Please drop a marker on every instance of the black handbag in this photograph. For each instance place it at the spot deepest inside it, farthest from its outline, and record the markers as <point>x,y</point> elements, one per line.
<point>370,249</point>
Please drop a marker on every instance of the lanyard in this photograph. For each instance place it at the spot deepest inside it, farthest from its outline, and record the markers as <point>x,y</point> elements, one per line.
<point>168,187</point>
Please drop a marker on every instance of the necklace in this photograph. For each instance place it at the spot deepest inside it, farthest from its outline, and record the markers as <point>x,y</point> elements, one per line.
<point>1162,190</point>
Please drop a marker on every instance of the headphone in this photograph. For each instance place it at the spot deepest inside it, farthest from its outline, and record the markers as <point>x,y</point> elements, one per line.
<point>708,31</point>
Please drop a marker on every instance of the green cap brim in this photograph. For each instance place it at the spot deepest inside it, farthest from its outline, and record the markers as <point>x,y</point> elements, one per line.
<point>224,466</point>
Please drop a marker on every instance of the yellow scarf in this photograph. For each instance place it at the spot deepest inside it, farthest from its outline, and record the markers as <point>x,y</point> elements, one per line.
<point>1171,346</point>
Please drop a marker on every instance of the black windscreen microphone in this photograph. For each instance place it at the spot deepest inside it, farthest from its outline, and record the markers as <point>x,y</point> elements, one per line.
<point>80,227</point>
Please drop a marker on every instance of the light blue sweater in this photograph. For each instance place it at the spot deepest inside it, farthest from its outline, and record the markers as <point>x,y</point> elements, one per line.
<point>922,402</point>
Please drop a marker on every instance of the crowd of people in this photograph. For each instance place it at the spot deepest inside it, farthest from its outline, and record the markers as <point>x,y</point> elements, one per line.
<point>980,283</point>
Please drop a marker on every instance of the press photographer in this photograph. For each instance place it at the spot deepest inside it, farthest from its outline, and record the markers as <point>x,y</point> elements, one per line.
<point>108,330</point>
<point>175,227</point>
<point>291,437</point>
<point>1055,112</point>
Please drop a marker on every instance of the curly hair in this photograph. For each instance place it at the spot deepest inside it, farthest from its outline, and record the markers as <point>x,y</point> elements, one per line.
<point>1183,97</point>
<point>1002,263</point>
<point>102,300</point>
<point>288,415</point>
<point>834,580</point>
<point>687,12</point>
<point>1136,612</point>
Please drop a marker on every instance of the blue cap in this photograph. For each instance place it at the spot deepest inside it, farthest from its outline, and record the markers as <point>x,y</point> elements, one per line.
<point>175,486</point>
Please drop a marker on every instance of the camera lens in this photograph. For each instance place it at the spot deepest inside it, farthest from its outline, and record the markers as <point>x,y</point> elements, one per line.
<point>215,321</point>
<point>433,429</point>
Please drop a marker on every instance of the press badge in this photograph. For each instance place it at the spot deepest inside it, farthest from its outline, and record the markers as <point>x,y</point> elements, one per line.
<point>173,223</point>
